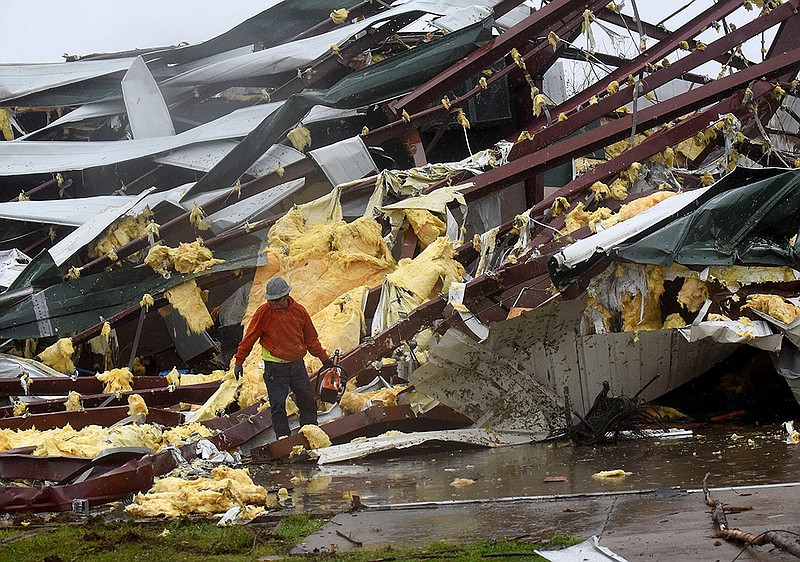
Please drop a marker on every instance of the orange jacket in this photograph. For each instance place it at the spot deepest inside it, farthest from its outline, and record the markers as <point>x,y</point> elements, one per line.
<point>287,333</point>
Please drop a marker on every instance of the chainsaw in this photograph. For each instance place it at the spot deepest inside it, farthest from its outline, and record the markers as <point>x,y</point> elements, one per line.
<point>331,382</point>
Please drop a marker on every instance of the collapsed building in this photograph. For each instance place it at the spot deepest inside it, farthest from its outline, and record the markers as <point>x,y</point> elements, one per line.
<point>470,235</point>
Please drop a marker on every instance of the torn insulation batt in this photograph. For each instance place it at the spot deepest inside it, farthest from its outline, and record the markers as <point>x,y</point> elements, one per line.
<point>175,497</point>
<point>91,440</point>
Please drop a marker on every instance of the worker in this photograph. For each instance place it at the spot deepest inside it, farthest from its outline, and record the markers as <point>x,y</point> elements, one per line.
<point>284,329</point>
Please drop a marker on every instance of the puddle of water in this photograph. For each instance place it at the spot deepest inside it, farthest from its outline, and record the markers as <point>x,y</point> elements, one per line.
<point>733,456</point>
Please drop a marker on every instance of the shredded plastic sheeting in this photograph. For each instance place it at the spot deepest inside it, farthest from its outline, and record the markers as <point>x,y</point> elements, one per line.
<point>91,440</point>
<point>175,497</point>
<point>187,299</point>
<point>414,180</point>
<point>587,551</point>
<point>116,380</point>
<point>120,233</point>
<point>317,439</point>
<point>774,306</point>
<point>641,311</point>
<point>221,399</point>
<point>417,281</point>
<point>59,356</point>
<point>188,257</point>
<point>137,406</point>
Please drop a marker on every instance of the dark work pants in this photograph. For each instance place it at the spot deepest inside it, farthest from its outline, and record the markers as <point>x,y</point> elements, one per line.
<point>280,377</point>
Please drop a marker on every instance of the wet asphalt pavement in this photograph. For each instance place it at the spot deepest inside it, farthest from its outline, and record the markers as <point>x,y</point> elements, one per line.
<point>510,498</point>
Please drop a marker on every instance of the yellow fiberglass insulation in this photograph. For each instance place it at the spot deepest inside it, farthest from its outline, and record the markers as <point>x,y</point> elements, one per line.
<point>576,218</point>
<point>187,299</point>
<point>353,402</point>
<point>91,440</point>
<point>340,324</point>
<point>119,234</point>
<point>417,281</point>
<point>221,399</point>
<point>192,257</point>
<point>775,306</point>
<point>189,379</point>
<point>674,320</point>
<point>618,189</point>
<point>580,217</point>
<point>73,403</point>
<point>178,379</point>
<point>139,370</point>
<point>286,229</point>
<point>317,439</point>
<point>177,497</point>
<point>158,258</point>
<point>630,210</point>
<point>693,293</point>
<point>427,226</point>
<point>174,377</point>
<point>322,265</point>
<point>116,380</point>
<point>430,273</point>
<point>59,356</point>
<point>181,434</point>
<point>718,318</point>
<point>137,406</point>
<point>643,312</point>
<point>188,257</point>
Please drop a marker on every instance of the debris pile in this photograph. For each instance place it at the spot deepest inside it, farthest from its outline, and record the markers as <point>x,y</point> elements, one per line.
<point>472,235</point>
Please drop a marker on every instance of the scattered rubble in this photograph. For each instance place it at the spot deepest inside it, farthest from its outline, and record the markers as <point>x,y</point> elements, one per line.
<point>473,237</point>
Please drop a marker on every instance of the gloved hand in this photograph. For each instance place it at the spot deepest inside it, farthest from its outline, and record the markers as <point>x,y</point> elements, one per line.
<point>328,363</point>
<point>237,371</point>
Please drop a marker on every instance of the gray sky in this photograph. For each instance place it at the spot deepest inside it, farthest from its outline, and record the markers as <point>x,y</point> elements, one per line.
<point>43,30</point>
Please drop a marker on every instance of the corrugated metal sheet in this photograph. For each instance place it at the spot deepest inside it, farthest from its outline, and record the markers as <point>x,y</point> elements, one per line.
<point>535,355</point>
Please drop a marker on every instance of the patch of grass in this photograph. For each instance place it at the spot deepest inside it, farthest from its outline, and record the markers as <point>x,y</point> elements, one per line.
<point>474,552</point>
<point>295,528</point>
<point>184,540</point>
<point>114,542</point>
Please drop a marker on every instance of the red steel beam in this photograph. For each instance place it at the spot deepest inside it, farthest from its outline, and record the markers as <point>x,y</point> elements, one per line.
<point>652,55</point>
<point>103,417</point>
<point>528,166</point>
<point>661,33</point>
<point>62,385</point>
<point>154,397</point>
<point>536,26</point>
<point>609,103</point>
<point>369,423</point>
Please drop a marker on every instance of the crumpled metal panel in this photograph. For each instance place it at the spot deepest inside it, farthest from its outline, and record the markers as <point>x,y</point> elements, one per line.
<point>130,478</point>
<point>749,225</point>
<point>525,363</point>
